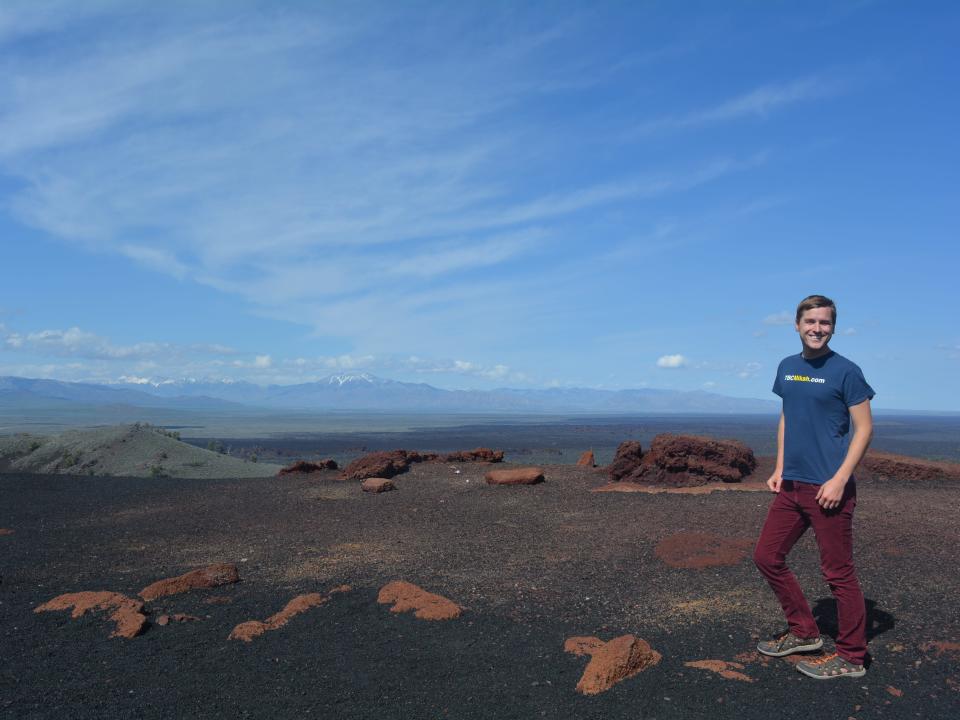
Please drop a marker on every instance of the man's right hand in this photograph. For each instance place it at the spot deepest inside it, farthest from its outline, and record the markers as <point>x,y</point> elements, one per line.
<point>775,481</point>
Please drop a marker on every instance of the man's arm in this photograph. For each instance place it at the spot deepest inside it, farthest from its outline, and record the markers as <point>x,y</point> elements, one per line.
<point>831,492</point>
<point>776,479</point>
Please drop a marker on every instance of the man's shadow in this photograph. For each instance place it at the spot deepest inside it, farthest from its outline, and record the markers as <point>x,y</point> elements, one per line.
<point>878,621</point>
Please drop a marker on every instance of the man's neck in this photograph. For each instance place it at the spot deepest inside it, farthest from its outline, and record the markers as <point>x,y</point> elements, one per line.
<point>814,354</point>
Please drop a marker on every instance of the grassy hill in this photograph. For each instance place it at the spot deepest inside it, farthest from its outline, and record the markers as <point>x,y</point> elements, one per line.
<point>136,450</point>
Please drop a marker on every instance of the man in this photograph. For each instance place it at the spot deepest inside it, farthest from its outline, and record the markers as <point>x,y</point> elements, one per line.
<point>814,483</point>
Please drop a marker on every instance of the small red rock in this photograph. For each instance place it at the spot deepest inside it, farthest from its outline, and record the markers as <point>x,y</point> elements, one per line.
<point>519,476</point>
<point>127,612</point>
<point>587,459</point>
<point>611,662</point>
<point>426,605</point>
<point>206,577</point>
<point>376,485</point>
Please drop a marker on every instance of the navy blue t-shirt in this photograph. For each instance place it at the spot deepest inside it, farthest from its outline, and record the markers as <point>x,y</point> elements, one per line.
<point>817,395</point>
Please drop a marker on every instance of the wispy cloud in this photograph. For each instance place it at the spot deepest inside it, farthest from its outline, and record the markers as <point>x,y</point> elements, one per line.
<point>784,317</point>
<point>756,103</point>
<point>389,195</point>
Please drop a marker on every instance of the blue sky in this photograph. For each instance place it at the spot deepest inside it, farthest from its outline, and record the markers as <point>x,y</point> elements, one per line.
<point>479,194</point>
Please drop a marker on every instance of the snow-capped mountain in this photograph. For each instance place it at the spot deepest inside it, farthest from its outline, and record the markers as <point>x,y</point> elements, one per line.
<point>363,391</point>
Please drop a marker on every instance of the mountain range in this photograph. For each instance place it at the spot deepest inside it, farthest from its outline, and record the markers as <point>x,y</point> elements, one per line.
<point>360,392</point>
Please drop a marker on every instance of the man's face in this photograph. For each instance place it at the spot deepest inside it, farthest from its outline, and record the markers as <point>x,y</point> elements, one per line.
<point>816,329</point>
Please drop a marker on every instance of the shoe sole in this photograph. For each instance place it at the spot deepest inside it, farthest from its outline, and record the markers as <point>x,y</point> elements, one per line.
<point>798,649</point>
<point>851,674</point>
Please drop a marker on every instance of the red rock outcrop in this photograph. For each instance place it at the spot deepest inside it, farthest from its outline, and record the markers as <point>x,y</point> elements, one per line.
<point>376,485</point>
<point>627,459</point>
<point>480,454</point>
<point>426,605</point>
<point>725,669</point>
<point>206,577</point>
<point>587,459</point>
<point>127,612</point>
<point>517,476</point>
<point>683,460</point>
<point>247,631</point>
<point>384,464</point>
<point>611,662</point>
<point>699,550</point>
<point>304,467</point>
<point>908,469</point>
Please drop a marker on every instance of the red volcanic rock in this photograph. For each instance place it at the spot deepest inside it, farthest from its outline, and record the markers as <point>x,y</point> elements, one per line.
<point>699,550</point>
<point>626,461</point>
<point>304,467</point>
<point>376,485</point>
<point>247,631</point>
<point>612,661</point>
<point>519,476</point>
<point>900,467</point>
<point>725,669</point>
<point>384,464</point>
<point>693,460</point>
<point>587,459</point>
<point>127,612</point>
<point>6,531</point>
<point>426,605</point>
<point>207,577</point>
<point>480,454</point>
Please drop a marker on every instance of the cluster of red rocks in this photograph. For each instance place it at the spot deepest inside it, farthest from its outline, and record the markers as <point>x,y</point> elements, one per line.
<point>389,463</point>
<point>128,613</point>
<point>682,460</point>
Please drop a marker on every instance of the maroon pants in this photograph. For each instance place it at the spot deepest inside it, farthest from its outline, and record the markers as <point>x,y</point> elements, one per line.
<point>792,511</point>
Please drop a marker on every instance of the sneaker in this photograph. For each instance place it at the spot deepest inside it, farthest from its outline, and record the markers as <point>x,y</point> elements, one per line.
<point>830,666</point>
<point>788,644</point>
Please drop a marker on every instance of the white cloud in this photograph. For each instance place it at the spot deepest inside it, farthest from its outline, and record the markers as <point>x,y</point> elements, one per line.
<point>783,317</point>
<point>262,361</point>
<point>672,361</point>
<point>849,331</point>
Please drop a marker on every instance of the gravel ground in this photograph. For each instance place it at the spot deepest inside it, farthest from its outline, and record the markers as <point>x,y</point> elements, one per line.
<point>531,565</point>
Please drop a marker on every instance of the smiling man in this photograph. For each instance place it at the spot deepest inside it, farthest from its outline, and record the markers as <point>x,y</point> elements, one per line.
<point>813,479</point>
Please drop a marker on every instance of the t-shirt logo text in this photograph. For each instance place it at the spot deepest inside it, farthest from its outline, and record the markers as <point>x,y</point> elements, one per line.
<point>803,378</point>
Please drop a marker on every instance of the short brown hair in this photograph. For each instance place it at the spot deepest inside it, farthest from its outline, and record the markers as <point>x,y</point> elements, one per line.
<point>816,301</point>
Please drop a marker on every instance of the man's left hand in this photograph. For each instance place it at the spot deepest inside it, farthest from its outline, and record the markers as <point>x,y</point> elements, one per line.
<point>830,493</point>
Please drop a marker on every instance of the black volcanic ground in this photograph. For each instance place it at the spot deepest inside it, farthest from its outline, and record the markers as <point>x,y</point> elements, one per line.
<point>531,565</point>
